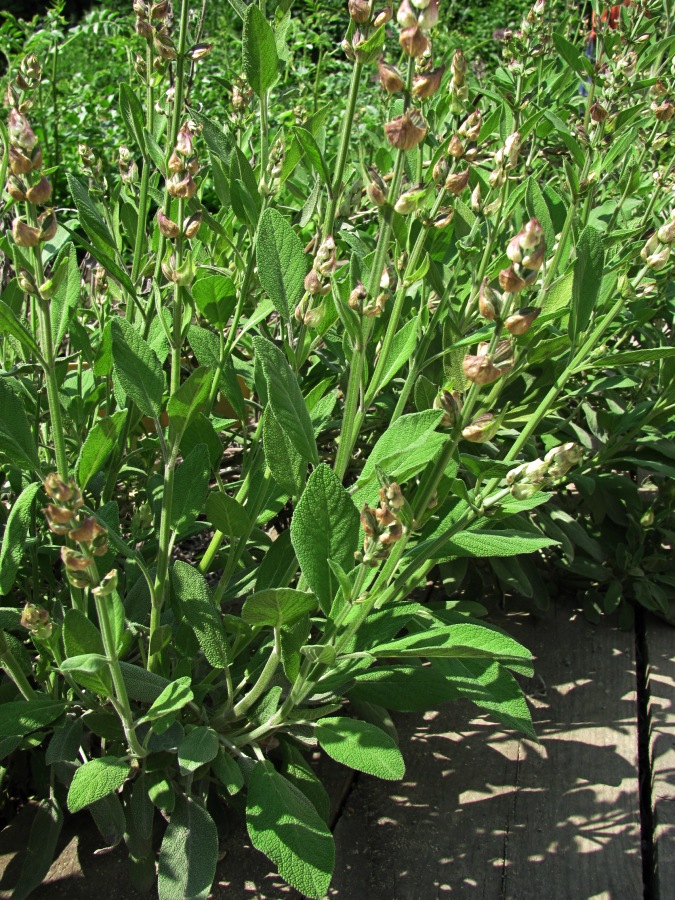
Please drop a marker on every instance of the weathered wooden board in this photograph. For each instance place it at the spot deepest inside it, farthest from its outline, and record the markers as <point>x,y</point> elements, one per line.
<point>482,814</point>
<point>660,642</point>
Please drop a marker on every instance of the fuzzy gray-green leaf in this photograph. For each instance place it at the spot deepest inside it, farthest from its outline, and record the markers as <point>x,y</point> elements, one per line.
<point>189,853</point>
<point>325,526</point>
<point>281,262</point>
<point>286,827</point>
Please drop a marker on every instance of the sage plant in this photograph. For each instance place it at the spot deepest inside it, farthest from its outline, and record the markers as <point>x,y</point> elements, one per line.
<point>261,384</point>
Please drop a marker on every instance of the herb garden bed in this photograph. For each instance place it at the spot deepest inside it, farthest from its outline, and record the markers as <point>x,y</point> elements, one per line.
<point>482,812</point>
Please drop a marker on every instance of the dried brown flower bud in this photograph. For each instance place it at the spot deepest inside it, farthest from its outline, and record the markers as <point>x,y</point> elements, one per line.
<point>24,235</point>
<point>407,131</point>
<point>192,224</point>
<point>37,621</point>
<point>56,488</point>
<point>199,51</point>
<point>666,233</point>
<point>360,10</point>
<point>471,126</point>
<point>413,41</point>
<point>455,147</point>
<point>21,135</point>
<point>16,188</point>
<point>511,282</point>
<point>41,192</point>
<point>480,369</point>
<point>598,112</point>
<point>425,86</point>
<point>182,187</point>
<point>87,531</point>
<point>376,189</point>
<point>456,182</point>
<point>459,68</point>
<point>489,302</point>
<point>358,297</point>
<point>390,77</point>
<point>48,225</point>
<point>163,45</point>
<point>482,429</point>
<point>314,285</point>
<point>411,199</point>
<point>75,561</point>
<point>405,15</point>
<point>167,227</point>
<point>663,111</point>
<point>521,321</point>
<point>451,404</point>
<point>393,534</point>
<point>383,16</point>
<point>368,520</point>
<point>184,142</point>
<point>392,496</point>
<point>429,16</point>
<point>143,28</point>
<point>107,585</point>
<point>59,518</point>
<point>20,163</point>
<point>159,10</point>
<point>444,217</point>
<point>31,67</point>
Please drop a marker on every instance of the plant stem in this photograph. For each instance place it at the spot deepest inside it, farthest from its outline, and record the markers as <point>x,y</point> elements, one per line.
<point>341,160</point>
<point>47,343</point>
<point>123,708</point>
<point>264,678</point>
<point>163,557</point>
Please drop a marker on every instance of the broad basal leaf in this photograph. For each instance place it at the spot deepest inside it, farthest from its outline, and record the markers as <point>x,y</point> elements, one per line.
<point>189,853</point>
<point>286,827</point>
<point>459,641</point>
<point>259,51</point>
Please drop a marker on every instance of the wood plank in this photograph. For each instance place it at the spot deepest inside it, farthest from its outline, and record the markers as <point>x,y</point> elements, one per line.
<point>660,643</point>
<point>484,814</point>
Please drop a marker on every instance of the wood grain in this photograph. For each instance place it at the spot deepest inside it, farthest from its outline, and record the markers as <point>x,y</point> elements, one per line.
<point>660,642</point>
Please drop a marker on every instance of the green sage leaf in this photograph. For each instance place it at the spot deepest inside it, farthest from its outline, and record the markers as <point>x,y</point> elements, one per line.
<point>189,853</point>
<point>16,438</point>
<point>588,272</point>
<point>137,367</point>
<point>277,607</point>
<point>285,399</point>
<point>281,262</point>
<point>193,594</point>
<point>14,538</point>
<point>325,526</point>
<point>44,835</point>
<point>285,826</point>
<point>361,746</point>
<point>197,748</point>
<point>259,51</point>
<point>95,780</point>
